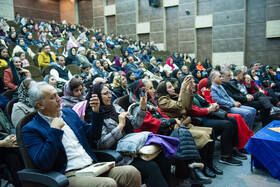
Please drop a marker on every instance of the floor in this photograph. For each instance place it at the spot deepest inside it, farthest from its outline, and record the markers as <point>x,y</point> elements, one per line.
<point>236,176</point>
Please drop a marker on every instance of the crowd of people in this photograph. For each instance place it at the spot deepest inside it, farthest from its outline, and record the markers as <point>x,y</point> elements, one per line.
<point>182,104</point>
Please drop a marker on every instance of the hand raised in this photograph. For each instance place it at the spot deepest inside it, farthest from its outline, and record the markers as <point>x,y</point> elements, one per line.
<point>122,120</point>
<point>143,101</point>
<point>94,103</point>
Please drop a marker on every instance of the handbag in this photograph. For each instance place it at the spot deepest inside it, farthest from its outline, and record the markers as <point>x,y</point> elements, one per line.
<point>220,114</point>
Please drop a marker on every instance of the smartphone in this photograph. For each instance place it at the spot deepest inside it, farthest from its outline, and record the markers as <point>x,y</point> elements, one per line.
<point>143,94</point>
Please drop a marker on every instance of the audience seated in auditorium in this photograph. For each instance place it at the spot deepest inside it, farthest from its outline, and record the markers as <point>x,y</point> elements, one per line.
<point>158,123</point>
<point>50,79</point>
<point>238,91</point>
<point>221,97</point>
<point>81,56</point>
<point>15,74</point>
<point>60,72</point>
<point>117,124</point>
<point>9,152</point>
<point>58,131</point>
<point>23,106</point>
<point>46,57</point>
<point>73,93</point>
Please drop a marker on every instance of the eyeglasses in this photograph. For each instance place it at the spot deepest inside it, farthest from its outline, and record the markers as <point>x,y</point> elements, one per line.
<point>109,93</point>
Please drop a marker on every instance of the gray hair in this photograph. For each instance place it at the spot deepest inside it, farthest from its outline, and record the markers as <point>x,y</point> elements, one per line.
<point>80,49</point>
<point>35,92</point>
<point>224,71</point>
<point>213,74</point>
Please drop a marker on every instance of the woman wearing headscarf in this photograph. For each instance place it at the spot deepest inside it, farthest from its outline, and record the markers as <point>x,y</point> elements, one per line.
<point>11,39</point>
<point>117,124</point>
<point>170,66</point>
<point>193,64</point>
<point>224,126</point>
<point>72,58</point>
<point>120,85</point>
<point>43,40</point>
<point>244,133</point>
<point>153,64</point>
<point>155,121</point>
<point>22,47</point>
<point>97,69</point>
<point>4,57</point>
<point>130,76</point>
<point>15,74</point>
<point>23,106</point>
<point>120,64</point>
<point>207,63</point>
<point>176,74</point>
<point>29,39</point>
<point>177,106</point>
<point>196,75</point>
<point>177,60</point>
<point>81,56</point>
<point>73,93</point>
<point>50,79</point>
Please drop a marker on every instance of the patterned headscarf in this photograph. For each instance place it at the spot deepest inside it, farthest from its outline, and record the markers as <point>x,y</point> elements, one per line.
<point>23,95</point>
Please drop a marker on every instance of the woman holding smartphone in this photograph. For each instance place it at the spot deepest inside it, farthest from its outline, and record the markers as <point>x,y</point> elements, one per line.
<point>15,74</point>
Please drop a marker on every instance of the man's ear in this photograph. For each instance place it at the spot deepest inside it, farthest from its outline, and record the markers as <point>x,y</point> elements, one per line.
<point>39,105</point>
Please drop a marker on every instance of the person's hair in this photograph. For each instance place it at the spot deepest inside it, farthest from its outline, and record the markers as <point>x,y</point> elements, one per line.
<point>237,72</point>
<point>85,66</point>
<point>218,67</point>
<point>252,64</point>
<point>49,77</point>
<point>75,83</point>
<point>57,58</point>
<point>14,58</point>
<point>35,93</point>
<point>145,82</point>
<point>214,74</point>
<point>18,54</point>
<point>89,51</point>
<point>2,48</point>
<point>44,46</point>
<point>26,82</point>
<point>224,71</point>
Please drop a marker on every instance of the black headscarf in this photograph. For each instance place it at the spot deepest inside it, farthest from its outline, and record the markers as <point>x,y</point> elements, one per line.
<point>174,73</point>
<point>109,110</point>
<point>71,59</point>
<point>129,81</point>
<point>194,74</point>
<point>162,90</point>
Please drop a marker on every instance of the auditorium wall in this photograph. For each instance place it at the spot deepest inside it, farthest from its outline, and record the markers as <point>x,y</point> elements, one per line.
<point>231,31</point>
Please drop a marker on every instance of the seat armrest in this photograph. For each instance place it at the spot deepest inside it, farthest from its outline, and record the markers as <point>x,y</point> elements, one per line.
<point>108,155</point>
<point>47,178</point>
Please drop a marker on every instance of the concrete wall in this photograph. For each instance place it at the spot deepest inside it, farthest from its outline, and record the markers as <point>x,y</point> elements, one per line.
<point>259,46</point>
<point>67,11</point>
<point>7,9</point>
<point>38,10</point>
<point>248,29</point>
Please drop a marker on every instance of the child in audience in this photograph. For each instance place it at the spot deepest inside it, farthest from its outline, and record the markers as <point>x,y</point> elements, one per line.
<point>86,74</point>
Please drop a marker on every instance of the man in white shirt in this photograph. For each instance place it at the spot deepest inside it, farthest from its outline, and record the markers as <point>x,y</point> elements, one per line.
<point>57,140</point>
<point>60,72</point>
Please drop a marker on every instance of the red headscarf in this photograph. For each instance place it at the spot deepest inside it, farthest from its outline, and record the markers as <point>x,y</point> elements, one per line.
<point>168,63</point>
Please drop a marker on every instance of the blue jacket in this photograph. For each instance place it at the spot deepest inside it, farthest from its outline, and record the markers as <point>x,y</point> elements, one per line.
<point>219,98</point>
<point>44,145</point>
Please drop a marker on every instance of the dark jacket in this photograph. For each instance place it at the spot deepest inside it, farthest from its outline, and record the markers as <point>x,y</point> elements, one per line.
<point>187,149</point>
<point>233,91</point>
<point>44,145</point>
